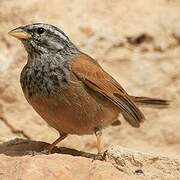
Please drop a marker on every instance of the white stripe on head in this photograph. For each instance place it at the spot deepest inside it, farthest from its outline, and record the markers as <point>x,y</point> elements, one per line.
<point>52,28</point>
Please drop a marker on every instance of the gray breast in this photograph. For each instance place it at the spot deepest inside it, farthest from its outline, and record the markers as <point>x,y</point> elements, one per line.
<point>44,78</point>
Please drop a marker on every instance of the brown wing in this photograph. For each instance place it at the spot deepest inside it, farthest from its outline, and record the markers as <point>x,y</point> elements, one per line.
<point>91,73</point>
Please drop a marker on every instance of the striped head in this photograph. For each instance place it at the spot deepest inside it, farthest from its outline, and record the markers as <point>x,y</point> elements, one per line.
<point>43,38</point>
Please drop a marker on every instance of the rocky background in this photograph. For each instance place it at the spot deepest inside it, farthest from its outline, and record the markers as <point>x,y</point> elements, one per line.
<point>137,42</point>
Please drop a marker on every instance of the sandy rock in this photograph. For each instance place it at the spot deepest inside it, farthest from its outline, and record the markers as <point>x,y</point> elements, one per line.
<point>143,165</point>
<point>29,162</point>
<point>17,164</point>
<point>57,167</point>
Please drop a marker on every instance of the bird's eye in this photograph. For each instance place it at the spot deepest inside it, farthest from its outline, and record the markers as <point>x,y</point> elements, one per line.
<point>40,30</point>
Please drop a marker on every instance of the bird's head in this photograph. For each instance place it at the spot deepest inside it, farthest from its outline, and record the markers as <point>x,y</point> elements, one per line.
<point>43,38</point>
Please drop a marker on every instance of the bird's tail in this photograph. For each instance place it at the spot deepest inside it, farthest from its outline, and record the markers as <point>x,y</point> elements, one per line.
<point>152,102</point>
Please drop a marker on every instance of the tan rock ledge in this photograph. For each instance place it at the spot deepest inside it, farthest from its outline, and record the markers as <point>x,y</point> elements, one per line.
<point>23,159</point>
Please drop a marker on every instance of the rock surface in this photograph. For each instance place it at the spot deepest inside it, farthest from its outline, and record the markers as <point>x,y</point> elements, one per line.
<point>137,42</point>
<point>27,161</point>
<point>143,165</point>
<point>22,160</point>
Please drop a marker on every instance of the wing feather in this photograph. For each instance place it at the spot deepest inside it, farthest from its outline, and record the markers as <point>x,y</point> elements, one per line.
<point>90,72</point>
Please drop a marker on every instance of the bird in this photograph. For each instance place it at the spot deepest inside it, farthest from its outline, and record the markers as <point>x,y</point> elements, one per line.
<point>69,89</point>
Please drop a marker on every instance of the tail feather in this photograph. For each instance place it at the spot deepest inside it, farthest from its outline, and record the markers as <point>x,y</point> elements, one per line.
<point>153,102</point>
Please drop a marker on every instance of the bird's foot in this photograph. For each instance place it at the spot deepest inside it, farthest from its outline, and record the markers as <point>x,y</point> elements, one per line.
<point>100,157</point>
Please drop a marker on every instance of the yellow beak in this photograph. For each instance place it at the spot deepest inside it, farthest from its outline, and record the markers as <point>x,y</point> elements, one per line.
<point>19,34</point>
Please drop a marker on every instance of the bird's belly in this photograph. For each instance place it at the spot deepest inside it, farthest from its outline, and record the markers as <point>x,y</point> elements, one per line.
<point>75,110</point>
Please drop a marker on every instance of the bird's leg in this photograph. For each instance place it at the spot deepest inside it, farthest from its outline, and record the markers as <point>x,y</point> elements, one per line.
<point>98,133</point>
<point>51,146</point>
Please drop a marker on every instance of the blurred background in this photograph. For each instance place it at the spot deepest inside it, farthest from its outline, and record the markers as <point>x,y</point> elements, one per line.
<point>137,42</point>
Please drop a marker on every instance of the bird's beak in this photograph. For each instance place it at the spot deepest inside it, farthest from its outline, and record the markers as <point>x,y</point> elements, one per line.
<point>20,34</point>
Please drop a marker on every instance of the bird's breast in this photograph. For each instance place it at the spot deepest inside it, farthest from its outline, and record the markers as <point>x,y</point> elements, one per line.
<point>43,81</point>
